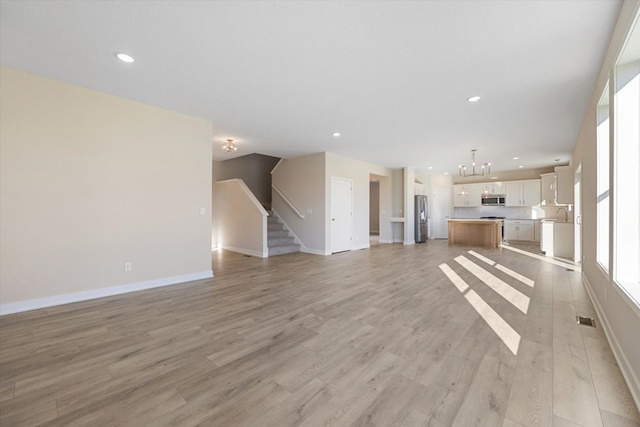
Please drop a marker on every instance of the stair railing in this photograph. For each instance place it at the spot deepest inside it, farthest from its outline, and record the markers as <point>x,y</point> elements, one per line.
<point>288,201</point>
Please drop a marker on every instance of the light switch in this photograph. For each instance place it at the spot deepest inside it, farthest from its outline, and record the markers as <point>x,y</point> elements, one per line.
<point>202,211</point>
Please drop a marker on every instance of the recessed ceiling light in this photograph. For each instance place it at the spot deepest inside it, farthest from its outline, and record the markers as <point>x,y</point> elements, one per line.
<point>473,99</point>
<point>515,158</point>
<point>336,134</point>
<point>430,167</point>
<point>124,57</point>
<point>446,173</point>
<point>520,166</point>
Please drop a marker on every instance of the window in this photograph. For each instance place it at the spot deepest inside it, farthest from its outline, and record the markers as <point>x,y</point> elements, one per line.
<point>626,222</point>
<point>602,174</point>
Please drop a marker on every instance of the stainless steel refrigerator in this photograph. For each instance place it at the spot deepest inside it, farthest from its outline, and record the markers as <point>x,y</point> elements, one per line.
<point>421,219</point>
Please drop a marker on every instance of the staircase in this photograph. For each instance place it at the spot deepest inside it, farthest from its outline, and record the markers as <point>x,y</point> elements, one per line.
<point>279,240</point>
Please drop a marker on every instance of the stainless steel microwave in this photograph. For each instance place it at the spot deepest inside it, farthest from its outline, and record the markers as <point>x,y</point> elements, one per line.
<point>493,200</point>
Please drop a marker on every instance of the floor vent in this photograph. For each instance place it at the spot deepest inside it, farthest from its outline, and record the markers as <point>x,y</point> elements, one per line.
<point>586,321</point>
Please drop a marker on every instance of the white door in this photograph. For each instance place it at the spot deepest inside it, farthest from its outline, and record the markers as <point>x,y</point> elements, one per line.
<point>441,206</point>
<point>341,214</point>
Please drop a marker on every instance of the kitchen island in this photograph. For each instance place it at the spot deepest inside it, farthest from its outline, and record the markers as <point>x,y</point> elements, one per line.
<point>475,232</point>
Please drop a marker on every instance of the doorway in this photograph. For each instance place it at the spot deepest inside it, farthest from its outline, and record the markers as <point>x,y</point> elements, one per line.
<point>374,211</point>
<point>341,214</point>
<point>440,214</point>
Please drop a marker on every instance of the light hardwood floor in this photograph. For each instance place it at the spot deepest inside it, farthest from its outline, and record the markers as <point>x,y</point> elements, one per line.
<point>377,337</point>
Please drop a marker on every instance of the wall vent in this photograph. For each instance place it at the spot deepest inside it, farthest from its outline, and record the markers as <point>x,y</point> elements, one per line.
<point>586,321</point>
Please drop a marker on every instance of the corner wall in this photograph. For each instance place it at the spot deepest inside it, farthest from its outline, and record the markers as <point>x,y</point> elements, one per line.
<point>89,182</point>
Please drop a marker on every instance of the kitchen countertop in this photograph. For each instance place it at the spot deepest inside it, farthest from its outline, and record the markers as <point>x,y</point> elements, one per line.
<point>474,220</point>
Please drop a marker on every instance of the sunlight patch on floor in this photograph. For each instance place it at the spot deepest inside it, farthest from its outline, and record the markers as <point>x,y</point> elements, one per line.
<point>502,329</point>
<point>504,269</point>
<point>515,275</point>
<point>514,296</point>
<point>482,258</point>
<point>506,333</point>
<point>455,279</point>
<point>568,265</point>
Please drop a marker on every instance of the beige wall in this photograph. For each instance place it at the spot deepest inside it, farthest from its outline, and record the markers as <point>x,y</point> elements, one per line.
<point>254,169</point>
<point>302,180</point>
<point>240,219</point>
<point>514,175</point>
<point>620,319</point>
<point>88,182</point>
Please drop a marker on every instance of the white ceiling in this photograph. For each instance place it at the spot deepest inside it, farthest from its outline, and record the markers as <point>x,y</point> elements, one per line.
<point>392,76</point>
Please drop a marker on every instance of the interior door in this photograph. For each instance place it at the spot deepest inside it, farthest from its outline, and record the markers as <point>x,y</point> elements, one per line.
<point>441,206</point>
<point>341,214</point>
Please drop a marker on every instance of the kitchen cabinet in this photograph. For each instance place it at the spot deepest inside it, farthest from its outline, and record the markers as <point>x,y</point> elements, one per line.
<point>537,231</point>
<point>557,239</point>
<point>472,196</point>
<point>548,189</point>
<point>493,187</point>
<point>519,229</point>
<point>564,185</point>
<point>522,193</point>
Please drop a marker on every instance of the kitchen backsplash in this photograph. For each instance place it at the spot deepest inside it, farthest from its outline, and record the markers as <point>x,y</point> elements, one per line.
<point>529,212</point>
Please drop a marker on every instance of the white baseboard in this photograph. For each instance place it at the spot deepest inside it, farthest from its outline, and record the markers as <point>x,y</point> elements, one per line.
<point>34,304</point>
<point>409,242</point>
<point>362,246</point>
<point>313,251</point>
<point>625,367</point>
<point>246,251</point>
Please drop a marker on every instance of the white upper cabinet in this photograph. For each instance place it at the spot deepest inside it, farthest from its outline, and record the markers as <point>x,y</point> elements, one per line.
<point>522,193</point>
<point>548,189</point>
<point>564,185</point>
<point>471,197</point>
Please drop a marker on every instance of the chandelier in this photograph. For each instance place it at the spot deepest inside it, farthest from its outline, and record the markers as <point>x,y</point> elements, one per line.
<point>485,168</point>
<point>229,146</point>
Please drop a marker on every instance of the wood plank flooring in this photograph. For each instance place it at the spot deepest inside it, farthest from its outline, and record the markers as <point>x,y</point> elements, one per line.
<point>377,337</point>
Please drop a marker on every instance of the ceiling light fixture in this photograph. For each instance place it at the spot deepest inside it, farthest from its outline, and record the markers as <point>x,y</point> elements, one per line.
<point>124,57</point>
<point>521,166</point>
<point>336,134</point>
<point>473,99</point>
<point>229,146</point>
<point>515,158</point>
<point>486,167</point>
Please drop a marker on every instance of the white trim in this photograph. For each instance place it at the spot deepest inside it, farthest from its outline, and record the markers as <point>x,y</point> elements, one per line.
<point>296,239</point>
<point>362,246</point>
<point>385,241</point>
<point>34,304</point>
<point>276,166</point>
<point>249,194</point>
<point>409,242</point>
<point>246,251</point>
<point>314,251</point>
<point>625,367</point>
<point>287,201</point>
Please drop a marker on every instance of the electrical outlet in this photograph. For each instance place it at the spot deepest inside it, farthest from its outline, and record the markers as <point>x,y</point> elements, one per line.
<point>128,266</point>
